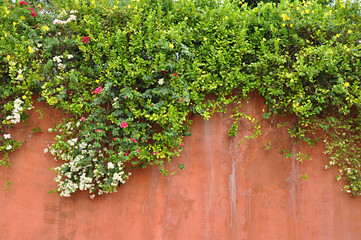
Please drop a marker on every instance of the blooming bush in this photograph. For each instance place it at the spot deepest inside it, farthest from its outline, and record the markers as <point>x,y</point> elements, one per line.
<point>130,73</point>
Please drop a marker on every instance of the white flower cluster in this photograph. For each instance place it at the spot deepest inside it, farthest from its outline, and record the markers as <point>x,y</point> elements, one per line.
<point>15,116</point>
<point>115,103</point>
<point>83,170</point>
<point>59,60</point>
<point>7,136</point>
<point>72,17</point>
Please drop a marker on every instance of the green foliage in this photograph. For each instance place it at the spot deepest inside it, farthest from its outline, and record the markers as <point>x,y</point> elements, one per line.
<point>129,73</point>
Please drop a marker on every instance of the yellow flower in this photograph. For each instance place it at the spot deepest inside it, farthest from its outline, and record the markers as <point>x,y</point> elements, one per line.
<point>205,39</point>
<point>31,50</point>
<point>347,84</point>
<point>39,5</point>
<point>171,45</point>
<point>8,57</point>
<point>285,17</point>
<point>349,31</point>
<point>24,97</point>
<point>15,23</point>
<point>22,17</point>
<point>45,28</point>
<point>307,11</point>
<point>291,25</point>
<point>283,25</point>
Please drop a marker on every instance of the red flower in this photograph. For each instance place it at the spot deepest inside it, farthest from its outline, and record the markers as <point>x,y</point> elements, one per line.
<point>36,26</point>
<point>11,7</point>
<point>175,74</point>
<point>31,9</point>
<point>180,100</point>
<point>135,141</point>
<point>85,39</point>
<point>155,153</point>
<point>182,144</point>
<point>98,90</point>
<point>33,14</point>
<point>82,119</point>
<point>124,125</point>
<point>24,3</point>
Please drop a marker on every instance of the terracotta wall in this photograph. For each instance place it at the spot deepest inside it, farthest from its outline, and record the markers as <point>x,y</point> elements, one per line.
<point>224,192</point>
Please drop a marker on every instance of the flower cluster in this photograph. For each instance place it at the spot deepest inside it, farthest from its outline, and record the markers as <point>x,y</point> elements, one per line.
<point>72,17</point>
<point>17,110</point>
<point>85,39</point>
<point>98,90</point>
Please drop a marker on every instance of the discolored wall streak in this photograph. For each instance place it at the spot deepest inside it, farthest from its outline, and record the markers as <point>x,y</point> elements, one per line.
<point>224,192</point>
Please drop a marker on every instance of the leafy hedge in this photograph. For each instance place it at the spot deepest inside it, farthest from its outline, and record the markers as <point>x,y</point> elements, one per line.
<point>129,73</point>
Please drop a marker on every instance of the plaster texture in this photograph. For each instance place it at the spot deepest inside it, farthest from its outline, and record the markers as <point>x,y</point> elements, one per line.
<point>224,192</point>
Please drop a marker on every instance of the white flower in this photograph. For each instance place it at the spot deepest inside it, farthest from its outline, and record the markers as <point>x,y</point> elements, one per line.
<point>8,147</point>
<point>92,196</point>
<point>57,59</point>
<point>110,165</point>
<point>161,81</point>
<point>62,66</point>
<point>57,21</point>
<point>73,11</point>
<point>46,150</point>
<point>7,136</point>
<point>72,17</point>
<point>50,130</point>
<point>70,56</point>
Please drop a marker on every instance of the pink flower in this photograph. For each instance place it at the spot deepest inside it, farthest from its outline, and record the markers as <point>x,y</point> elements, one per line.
<point>24,3</point>
<point>98,90</point>
<point>98,130</point>
<point>31,9</point>
<point>126,154</point>
<point>115,139</point>
<point>180,100</point>
<point>33,14</point>
<point>152,104</point>
<point>182,144</point>
<point>135,141</point>
<point>138,150</point>
<point>82,119</point>
<point>124,125</point>
<point>85,39</point>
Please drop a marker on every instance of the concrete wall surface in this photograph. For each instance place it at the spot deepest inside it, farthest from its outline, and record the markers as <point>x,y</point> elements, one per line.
<point>224,192</point>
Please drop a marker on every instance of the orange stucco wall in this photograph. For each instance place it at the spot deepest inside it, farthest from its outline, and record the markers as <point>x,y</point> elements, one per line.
<point>224,192</point>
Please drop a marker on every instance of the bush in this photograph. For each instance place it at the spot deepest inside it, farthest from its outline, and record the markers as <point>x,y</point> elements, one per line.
<point>129,74</point>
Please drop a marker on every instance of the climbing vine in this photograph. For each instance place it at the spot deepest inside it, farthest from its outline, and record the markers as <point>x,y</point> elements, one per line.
<point>129,73</point>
